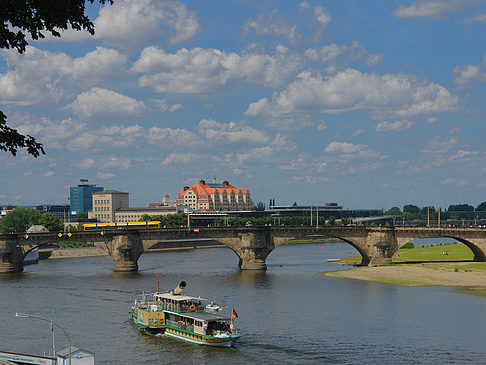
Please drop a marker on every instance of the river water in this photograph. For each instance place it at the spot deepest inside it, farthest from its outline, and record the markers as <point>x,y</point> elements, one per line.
<point>289,314</point>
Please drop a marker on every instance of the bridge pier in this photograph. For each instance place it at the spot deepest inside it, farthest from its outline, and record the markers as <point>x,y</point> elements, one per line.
<point>253,251</point>
<point>125,251</point>
<point>11,257</point>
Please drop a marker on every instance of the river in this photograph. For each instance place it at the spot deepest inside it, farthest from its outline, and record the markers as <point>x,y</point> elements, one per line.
<point>289,314</point>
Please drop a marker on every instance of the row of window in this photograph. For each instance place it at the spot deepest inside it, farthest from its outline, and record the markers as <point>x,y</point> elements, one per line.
<point>102,201</point>
<point>101,209</point>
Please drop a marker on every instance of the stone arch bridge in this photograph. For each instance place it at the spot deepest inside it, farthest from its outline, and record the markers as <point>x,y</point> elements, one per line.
<point>252,245</point>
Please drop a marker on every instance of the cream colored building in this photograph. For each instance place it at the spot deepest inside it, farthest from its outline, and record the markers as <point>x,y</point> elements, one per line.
<point>212,196</point>
<point>106,203</point>
<point>135,214</point>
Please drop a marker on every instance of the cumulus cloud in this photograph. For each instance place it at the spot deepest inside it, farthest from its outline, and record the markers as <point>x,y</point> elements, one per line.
<point>398,126</point>
<point>42,71</point>
<point>467,75</point>
<point>100,64</point>
<point>52,76</point>
<point>339,54</point>
<point>49,173</point>
<point>199,70</point>
<point>104,175</point>
<point>351,151</point>
<point>103,102</point>
<point>272,25</point>
<point>168,137</point>
<point>432,8</point>
<point>116,136</point>
<point>321,15</point>
<point>85,164</point>
<point>321,125</point>
<point>232,132</point>
<point>479,18</point>
<point>132,24</point>
<point>397,95</point>
<point>181,158</point>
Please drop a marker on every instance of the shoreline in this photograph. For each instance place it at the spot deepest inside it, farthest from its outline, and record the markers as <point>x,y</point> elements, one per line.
<point>457,274</point>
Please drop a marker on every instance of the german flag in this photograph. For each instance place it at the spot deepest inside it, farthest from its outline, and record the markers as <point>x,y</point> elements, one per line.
<point>234,314</point>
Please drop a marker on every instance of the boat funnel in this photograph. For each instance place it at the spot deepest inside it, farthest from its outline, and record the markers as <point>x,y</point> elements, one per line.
<point>179,288</point>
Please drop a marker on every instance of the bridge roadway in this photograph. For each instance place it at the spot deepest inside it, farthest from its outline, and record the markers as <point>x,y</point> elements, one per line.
<point>252,245</point>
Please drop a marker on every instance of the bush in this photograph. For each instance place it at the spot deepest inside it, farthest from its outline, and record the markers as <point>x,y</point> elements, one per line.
<point>408,245</point>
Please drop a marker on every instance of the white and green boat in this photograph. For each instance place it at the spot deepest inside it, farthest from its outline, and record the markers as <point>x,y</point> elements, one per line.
<point>186,318</point>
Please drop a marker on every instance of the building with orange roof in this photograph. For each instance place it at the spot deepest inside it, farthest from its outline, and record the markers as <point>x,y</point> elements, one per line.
<point>207,196</point>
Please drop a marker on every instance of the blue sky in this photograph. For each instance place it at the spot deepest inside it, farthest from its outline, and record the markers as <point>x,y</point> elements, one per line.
<point>370,104</point>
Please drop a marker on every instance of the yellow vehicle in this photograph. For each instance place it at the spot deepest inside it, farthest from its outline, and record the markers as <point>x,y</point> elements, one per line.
<point>120,225</point>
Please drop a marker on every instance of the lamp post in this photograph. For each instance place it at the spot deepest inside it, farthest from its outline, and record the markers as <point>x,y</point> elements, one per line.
<point>24,315</point>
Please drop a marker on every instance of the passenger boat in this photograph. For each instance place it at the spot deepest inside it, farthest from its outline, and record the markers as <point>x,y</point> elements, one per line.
<point>184,317</point>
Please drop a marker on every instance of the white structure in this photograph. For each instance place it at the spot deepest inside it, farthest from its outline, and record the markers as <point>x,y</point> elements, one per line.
<point>78,357</point>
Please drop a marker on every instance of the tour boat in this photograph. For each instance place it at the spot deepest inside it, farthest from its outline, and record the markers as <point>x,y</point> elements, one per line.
<point>184,317</point>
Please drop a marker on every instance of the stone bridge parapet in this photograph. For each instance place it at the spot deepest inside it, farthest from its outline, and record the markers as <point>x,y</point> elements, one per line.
<point>252,245</point>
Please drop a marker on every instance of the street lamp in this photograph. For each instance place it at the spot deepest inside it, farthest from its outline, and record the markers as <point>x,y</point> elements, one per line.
<point>24,315</point>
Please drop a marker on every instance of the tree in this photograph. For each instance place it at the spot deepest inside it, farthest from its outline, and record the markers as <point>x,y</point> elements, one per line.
<point>394,211</point>
<point>413,209</point>
<point>30,17</point>
<point>51,222</point>
<point>260,207</point>
<point>460,208</point>
<point>19,220</point>
<point>481,207</point>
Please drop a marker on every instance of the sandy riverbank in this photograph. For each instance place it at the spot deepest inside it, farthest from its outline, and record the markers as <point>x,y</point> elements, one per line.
<point>438,274</point>
<point>60,253</point>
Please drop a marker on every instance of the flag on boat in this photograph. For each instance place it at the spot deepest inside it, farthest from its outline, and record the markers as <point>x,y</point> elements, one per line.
<point>234,315</point>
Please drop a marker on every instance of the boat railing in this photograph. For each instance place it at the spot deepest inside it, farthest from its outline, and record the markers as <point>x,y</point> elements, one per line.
<point>182,308</point>
<point>181,325</point>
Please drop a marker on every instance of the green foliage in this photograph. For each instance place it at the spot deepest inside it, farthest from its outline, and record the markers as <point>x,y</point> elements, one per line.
<point>24,19</point>
<point>170,220</point>
<point>411,209</point>
<point>82,215</point>
<point>408,245</point>
<point>51,222</point>
<point>394,211</point>
<point>145,218</point>
<point>260,207</point>
<point>19,220</point>
<point>460,208</point>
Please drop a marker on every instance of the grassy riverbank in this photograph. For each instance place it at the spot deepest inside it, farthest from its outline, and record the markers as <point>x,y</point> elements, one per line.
<point>440,273</point>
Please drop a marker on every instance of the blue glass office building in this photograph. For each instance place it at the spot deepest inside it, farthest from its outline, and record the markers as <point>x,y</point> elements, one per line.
<point>80,197</point>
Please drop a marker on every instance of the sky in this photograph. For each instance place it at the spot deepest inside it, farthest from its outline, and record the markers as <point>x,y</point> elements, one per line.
<point>370,104</point>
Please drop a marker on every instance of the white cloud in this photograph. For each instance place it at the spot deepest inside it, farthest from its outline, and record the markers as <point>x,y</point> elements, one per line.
<point>432,8</point>
<point>104,175</point>
<point>200,70</point>
<point>229,133</point>
<point>42,71</point>
<point>358,132</point>
<point>465,76</point>
<point>181,158</point>
<point>479,18</point>
<point>395,95</point>
<point>398,126</point>
<point>331,52</point>
<point>273,26</point>
<point>113,162</point>
<point>175,107</point>
<point>106,137</point>
<point>103,102</point>
<point>168,137</point>
<point>351,151</point>
<point>49,173</point>
<point>85,164</point>
<point>100,64</point>
<point>131,24</point>
<point>322,16</point>
<point>321,125</point>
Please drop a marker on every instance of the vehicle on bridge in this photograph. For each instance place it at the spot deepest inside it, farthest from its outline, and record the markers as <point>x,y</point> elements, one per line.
<point>120,225</point>
<point>185,318</point>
